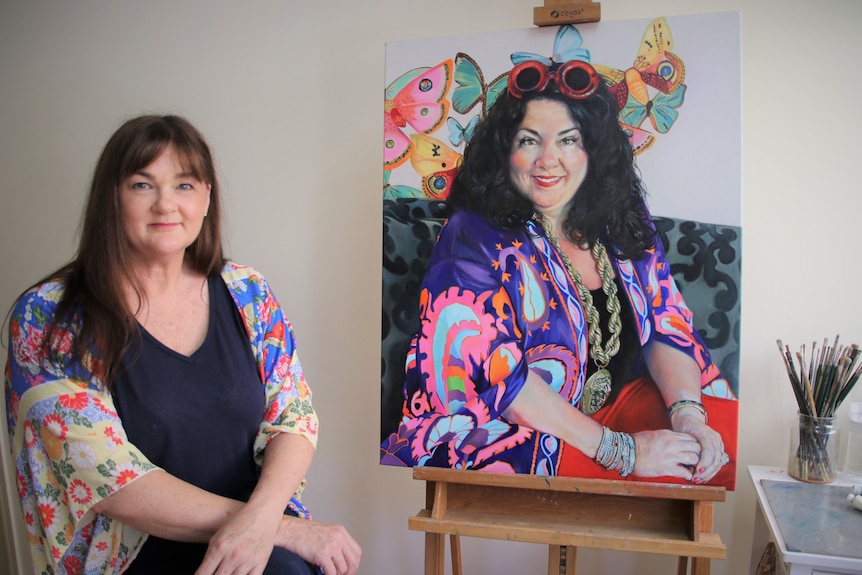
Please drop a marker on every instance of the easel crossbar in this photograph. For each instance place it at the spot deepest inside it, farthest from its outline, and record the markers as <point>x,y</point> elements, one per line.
<point>710,547</point>
<point>618,515</point>
<point>576,484</point>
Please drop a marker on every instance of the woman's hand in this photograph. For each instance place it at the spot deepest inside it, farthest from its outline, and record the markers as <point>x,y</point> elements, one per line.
<point>328,546</point>
<point>663,452</point>
<point>242,545</point>
<point>678,378</point>
<point>711,444</point>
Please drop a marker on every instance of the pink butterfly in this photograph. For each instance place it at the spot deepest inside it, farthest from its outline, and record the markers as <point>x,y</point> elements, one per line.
<point>640,139</point>
<point>417,99</point>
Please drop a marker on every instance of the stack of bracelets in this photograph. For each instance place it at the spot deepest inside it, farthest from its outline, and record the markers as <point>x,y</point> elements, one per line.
<point>616,451</point>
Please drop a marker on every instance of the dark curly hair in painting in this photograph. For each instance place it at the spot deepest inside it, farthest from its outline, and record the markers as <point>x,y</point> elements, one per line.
<point>609,205</point>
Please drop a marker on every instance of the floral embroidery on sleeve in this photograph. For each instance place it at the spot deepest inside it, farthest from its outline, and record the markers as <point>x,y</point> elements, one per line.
<point>288,397</point>
<point>69,447</point>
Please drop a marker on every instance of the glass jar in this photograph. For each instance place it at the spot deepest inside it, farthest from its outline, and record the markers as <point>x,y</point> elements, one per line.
<point>853,444</point>
<point>813,449</point>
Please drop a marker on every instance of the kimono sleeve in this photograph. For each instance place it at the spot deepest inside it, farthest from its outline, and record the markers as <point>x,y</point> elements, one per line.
<point>69,448</point>
<point>288,396</point>
<point>467,363</point>
<point>672,320</point>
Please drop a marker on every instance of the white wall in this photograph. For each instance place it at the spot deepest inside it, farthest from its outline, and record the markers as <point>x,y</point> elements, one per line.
<point>289,94</point>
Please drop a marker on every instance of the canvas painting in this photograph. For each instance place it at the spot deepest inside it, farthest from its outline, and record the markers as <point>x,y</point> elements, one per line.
<point>495,356</point>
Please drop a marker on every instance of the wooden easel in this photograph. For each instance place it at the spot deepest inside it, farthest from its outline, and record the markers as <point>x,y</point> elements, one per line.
<point>556,12</point>
<point>566,513</point>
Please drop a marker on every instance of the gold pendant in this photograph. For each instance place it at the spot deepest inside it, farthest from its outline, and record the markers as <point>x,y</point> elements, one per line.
<point>596,391</point>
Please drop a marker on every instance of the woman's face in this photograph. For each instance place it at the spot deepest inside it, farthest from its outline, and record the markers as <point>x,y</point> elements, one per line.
<point>548,161</point>
<point>162,207</point>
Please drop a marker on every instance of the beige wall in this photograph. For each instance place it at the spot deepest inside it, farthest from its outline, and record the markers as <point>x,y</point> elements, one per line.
<point>289,94</point>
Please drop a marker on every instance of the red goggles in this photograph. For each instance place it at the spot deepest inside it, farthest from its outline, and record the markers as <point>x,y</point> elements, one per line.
<point>576,79</point>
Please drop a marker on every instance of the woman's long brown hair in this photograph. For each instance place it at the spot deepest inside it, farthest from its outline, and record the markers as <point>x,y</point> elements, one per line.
<point>94,304</point>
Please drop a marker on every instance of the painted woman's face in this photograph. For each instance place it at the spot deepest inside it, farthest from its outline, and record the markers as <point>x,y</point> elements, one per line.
<point>548,162</point>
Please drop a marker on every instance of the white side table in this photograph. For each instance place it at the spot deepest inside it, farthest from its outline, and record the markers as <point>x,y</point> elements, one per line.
<point>815,529</point>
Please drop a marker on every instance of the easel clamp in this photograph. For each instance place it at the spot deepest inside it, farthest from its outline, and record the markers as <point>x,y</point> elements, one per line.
<point>557,12</point>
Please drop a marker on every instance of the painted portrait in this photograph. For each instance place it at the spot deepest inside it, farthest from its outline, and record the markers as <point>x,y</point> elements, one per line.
<point>487,322</point>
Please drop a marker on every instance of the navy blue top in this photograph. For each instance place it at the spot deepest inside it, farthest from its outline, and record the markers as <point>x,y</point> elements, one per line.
<point>194,416</point>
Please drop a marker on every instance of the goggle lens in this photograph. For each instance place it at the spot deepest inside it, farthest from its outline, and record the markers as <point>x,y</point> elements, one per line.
<point>579,79</point>
<point>528,77</point>
<point>575,79</point>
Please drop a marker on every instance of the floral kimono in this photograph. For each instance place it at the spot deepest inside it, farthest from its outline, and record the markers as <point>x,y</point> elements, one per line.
<point>68,443</point>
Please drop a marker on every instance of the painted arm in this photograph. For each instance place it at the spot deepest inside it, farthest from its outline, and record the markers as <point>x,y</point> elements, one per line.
<point>539,407</point>
<point>658,452</point>
<point>678,378</point>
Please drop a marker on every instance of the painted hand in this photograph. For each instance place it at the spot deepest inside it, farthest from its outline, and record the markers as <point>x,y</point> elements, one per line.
<point>712,455</point>
<point>665,453</point>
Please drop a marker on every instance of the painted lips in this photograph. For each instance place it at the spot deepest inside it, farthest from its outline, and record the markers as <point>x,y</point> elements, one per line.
<point>546,181</point>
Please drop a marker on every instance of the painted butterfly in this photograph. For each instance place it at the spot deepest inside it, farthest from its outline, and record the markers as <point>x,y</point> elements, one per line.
<point>567,46</point>
<point>417,99</point>
<point>459,134</point>
<point>436,163</point>
<point>655,65</point>
<point>392,191</point>
<point>661,110</point>
<point>640,139</point>
<point>470,86</point>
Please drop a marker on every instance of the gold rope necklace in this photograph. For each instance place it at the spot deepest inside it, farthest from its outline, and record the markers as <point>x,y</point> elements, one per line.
<point>598,386</point>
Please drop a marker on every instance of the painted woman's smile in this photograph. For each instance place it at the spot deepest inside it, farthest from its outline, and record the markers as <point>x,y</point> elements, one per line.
<point>548,162</point>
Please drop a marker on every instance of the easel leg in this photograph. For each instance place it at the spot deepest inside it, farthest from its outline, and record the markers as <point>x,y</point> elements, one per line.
<point>699,566</point>
<point>562,559</point>
<point>435,549</point>
<point>455,549</point>
<point>704,514</point>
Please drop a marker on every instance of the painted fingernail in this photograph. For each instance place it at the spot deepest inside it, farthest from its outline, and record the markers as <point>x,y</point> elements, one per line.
<point>698,480</point>
<point>701,469</point>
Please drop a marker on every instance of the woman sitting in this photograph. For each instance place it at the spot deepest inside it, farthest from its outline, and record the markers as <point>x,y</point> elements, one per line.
<point>553,339</point>
<point>159,416</point>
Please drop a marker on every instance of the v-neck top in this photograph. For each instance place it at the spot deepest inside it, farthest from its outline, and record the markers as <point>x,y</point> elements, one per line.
<point>194,416</point>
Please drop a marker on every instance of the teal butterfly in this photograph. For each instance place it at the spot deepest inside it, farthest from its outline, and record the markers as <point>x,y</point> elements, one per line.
<point>391,192</point>
<point>661,110</point>
<point>470,86</point>
<point>459,134</point>
<point>567,46</point>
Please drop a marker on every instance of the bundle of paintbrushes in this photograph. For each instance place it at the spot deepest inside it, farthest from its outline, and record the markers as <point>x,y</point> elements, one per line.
<point>821,379</point>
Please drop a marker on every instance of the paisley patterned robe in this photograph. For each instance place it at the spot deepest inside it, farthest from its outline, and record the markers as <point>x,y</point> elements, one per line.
<point>493,305</point>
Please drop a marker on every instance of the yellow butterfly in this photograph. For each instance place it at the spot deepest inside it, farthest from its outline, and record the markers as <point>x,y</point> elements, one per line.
<point>436,163</point>
<point>655,65</point>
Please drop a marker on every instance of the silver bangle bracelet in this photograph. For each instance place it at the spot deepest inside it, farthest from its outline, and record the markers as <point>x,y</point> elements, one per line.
<point>677,405</point>
<point>616,451</point>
